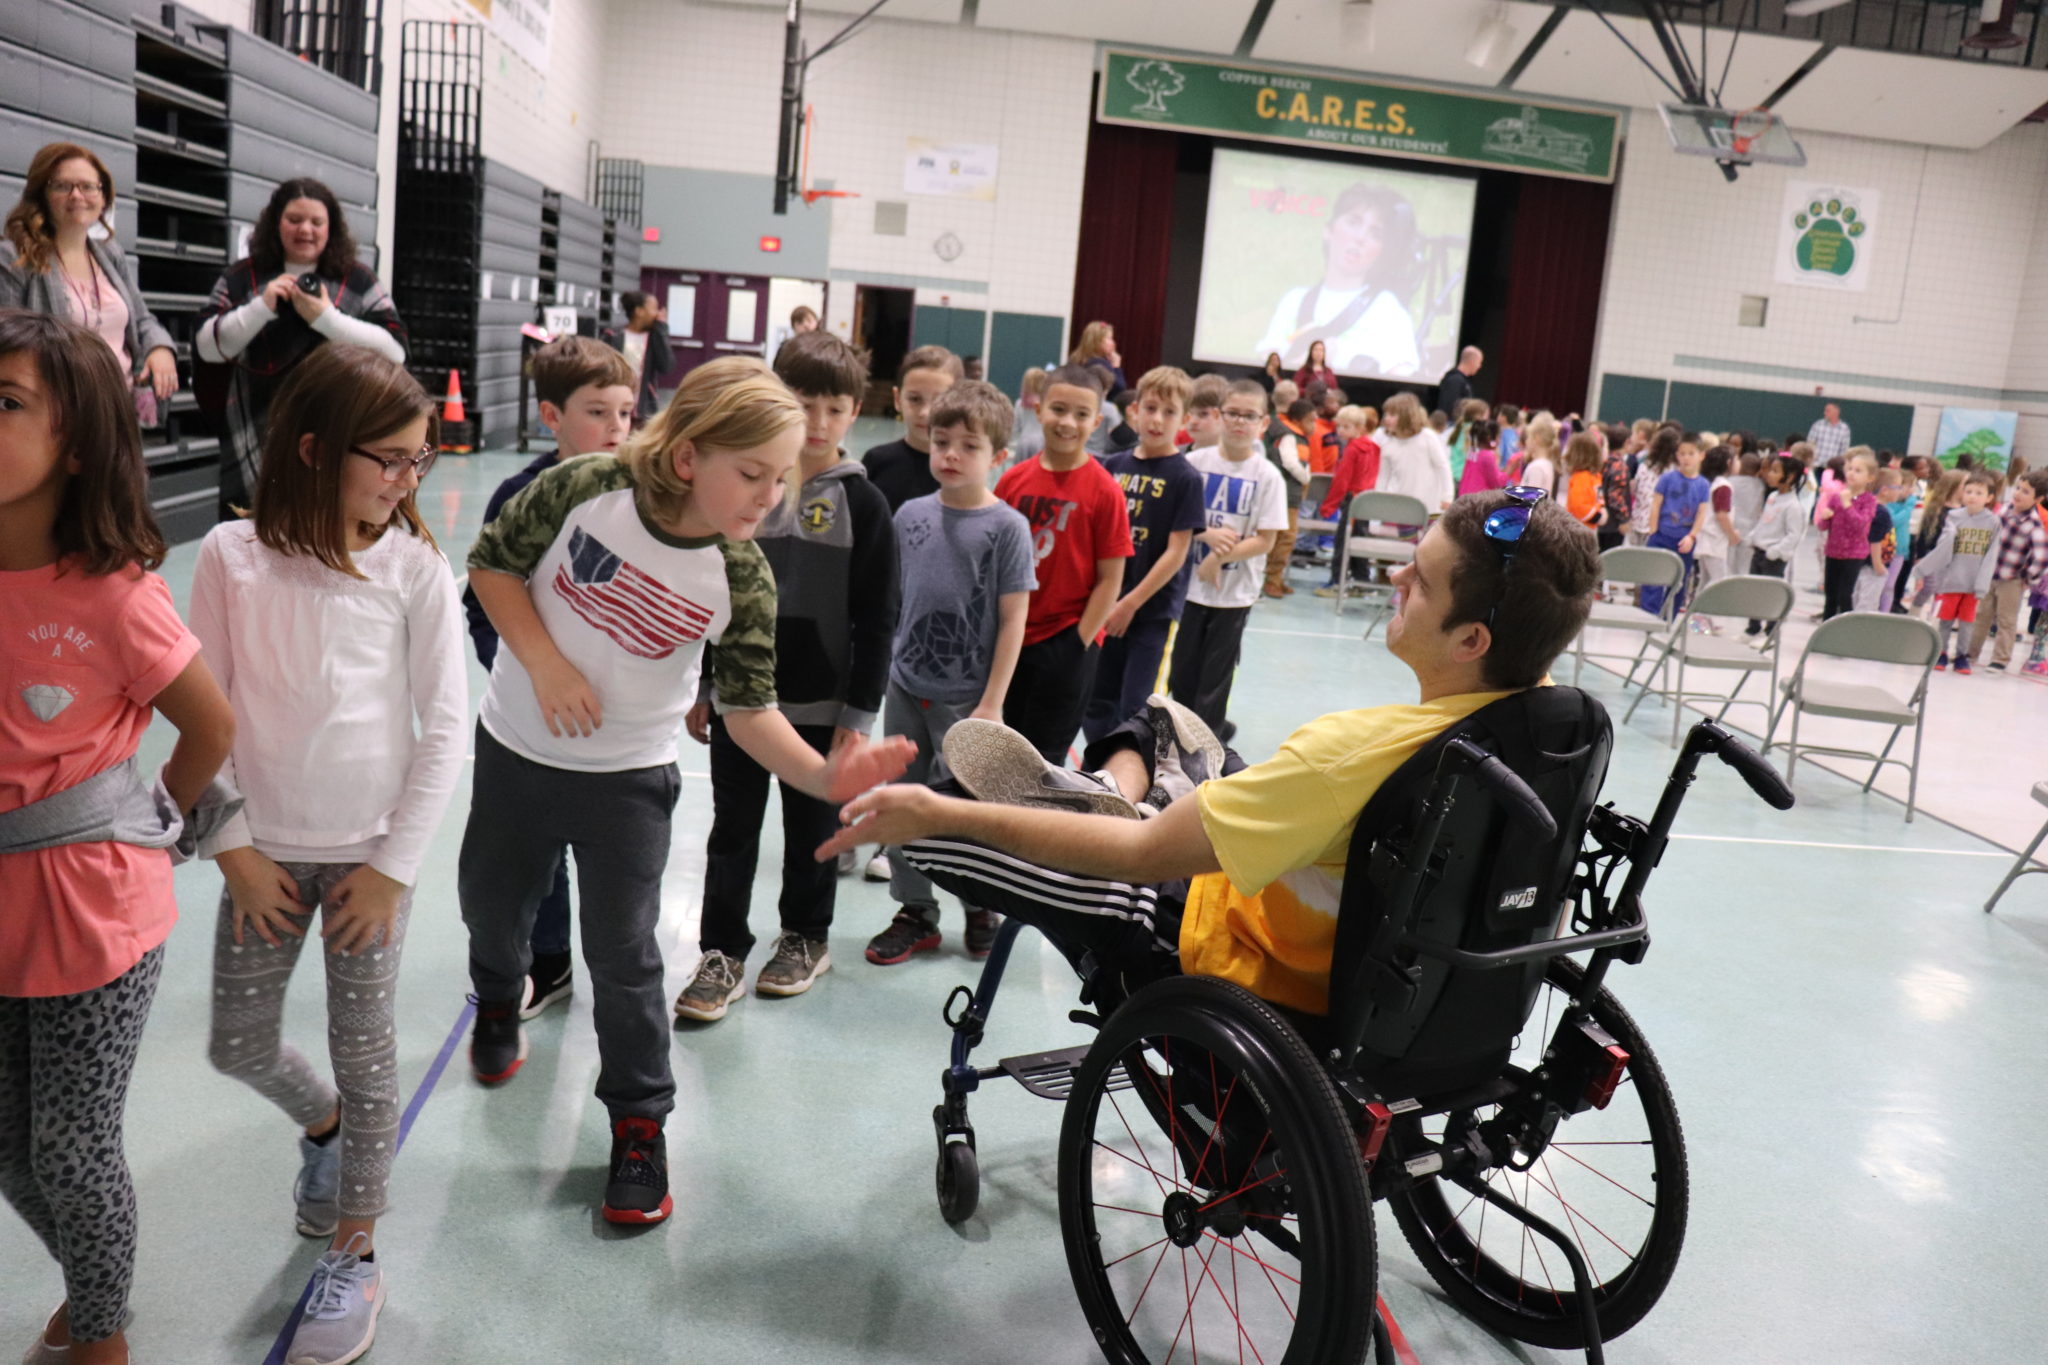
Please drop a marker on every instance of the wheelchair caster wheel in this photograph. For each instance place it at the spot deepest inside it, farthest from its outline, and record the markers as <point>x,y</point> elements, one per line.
<point>959,1181</point>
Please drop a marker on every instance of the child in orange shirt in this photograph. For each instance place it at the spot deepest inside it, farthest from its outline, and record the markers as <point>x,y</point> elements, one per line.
<point>1582,460</point>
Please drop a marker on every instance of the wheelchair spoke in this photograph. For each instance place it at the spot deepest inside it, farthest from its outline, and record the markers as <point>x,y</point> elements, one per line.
<point>1161,1260</point>
<point>1646,1203</point>
<point>1141,1161</point>
<point>1230,1300</point>
<point>1140,1251</point>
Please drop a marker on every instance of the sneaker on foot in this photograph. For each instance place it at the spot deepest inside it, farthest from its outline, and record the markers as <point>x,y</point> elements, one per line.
<point>1995,667</point>
<point>877,869</point>
<point>1963,665</point>
<point>497,1044</point>
<point>317,1191</point>
<point>981,932</point>
<point>1941,663</point>
<point>999,765</point>
<point>795,963</point>
<point>1329,590</point>
<point>908,934</point>
<point>848,861</point>
<point>1191,735</point>
<point>721,979</point>
<point>637,1192</point>
<point>547,981</point>
<point>342,1305</point>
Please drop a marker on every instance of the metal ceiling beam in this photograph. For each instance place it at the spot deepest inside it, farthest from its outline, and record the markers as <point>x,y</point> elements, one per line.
<point>1253,27</point>
<point>1528,54</point>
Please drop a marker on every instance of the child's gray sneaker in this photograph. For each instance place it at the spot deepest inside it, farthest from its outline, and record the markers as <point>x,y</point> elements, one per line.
<point>721,979</point>
<point>318,1188</point>
<point>342,1306</point>
<point>793,965</point>
<point>999,765</point>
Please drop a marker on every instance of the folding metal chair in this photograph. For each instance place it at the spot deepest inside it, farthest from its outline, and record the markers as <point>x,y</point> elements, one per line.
<point>1309,528</point>
<point>2019,867</point>
<point>1637,566</point>
<point>1384,552</point>
<point>1753,597</point>
<point>1866,637</point>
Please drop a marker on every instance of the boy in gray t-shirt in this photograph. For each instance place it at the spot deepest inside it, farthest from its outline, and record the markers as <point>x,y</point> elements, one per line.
<point>1961,565</point>
<point>967,576</point>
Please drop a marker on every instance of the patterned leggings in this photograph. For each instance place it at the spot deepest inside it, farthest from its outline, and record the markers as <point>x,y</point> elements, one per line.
<point>64,1067</point>
<point>249,979</point>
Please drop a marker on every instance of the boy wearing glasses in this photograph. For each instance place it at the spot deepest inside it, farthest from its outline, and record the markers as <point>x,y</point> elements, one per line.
<point>1245,501</point>
<point>1241,874</point>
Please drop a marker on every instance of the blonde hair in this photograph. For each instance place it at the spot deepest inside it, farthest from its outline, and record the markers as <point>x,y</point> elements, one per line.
<point>1405,416</point>
<point>1033,383</point>
<point>1864,453</point>
<point>1541,436</point>
<point>1353,416</point>
<point>1090,344</point>
<point>1169,384</point>
<point>734,403</point>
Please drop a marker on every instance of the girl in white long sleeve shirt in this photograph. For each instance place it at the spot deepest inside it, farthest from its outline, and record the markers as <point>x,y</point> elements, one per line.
<point>1413,459</point>
<point>331,621</point>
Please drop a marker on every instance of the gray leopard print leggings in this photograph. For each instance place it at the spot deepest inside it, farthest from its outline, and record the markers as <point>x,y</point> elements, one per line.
<point>65,1061</point>
<point>249,979</point>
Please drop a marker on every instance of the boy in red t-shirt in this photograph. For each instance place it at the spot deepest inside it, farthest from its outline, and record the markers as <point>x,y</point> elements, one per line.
<point>1081,535</point>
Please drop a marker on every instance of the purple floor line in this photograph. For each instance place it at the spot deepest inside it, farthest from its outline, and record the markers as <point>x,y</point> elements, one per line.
<point>405,1122</point>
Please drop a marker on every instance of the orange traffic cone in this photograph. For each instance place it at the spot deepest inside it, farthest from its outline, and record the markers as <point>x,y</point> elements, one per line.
<point>456,435</point>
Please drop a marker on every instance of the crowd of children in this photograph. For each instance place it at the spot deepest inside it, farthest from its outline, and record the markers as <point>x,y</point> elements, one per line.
<point>728,571</point>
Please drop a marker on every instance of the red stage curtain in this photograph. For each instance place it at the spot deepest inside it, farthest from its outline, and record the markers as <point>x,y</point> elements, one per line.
<point>1126,235</point>
<point>1556,263</point>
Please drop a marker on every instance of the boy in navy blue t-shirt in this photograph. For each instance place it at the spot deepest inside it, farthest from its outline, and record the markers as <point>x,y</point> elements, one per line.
<point>1163,496</point>
<point>1678,511</point>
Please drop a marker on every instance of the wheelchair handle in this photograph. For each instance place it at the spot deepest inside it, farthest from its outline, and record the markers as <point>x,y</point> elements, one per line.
<point>1714,738</point>
<point>1514,793</point>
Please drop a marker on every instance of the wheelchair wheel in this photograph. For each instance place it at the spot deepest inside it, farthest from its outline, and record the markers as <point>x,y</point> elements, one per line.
<point>959,1182</point>
<point>1211,1195</point>
<point>1613,1179</point>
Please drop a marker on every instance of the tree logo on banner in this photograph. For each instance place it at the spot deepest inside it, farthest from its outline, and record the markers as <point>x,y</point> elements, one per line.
<point>1155,80</point>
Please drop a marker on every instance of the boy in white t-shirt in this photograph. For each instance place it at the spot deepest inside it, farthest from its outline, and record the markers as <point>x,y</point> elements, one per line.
<point>1246,500</point>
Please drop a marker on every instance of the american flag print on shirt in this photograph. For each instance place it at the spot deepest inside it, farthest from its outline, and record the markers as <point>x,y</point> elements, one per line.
<point>641,615</point>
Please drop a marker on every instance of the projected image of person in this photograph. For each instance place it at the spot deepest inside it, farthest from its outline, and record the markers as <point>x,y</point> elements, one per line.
<point>1358,308</point>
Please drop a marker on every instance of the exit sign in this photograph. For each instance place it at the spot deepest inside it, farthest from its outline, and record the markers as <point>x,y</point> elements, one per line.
<point>650,234</point>
<point>771,244</point>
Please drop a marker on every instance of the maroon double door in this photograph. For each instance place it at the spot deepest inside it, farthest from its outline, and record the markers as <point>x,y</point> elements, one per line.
<point>709,315</point>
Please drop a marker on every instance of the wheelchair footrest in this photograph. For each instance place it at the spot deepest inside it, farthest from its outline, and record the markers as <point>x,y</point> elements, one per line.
<point>1050,1075</point>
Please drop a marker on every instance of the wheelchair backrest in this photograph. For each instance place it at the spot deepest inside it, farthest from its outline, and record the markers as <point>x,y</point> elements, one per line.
<point>1490,884</point>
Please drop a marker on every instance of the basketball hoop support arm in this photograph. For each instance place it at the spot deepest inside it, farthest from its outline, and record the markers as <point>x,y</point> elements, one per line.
<point>795,66</point>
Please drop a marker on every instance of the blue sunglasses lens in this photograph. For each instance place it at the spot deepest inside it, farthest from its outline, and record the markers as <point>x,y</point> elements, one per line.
<point>1507,523</point>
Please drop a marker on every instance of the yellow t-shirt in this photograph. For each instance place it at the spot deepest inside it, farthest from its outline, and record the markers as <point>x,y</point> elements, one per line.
<point>1281,830</point>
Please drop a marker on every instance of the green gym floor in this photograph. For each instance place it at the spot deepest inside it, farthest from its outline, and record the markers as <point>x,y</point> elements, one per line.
<point>1854,1047</point>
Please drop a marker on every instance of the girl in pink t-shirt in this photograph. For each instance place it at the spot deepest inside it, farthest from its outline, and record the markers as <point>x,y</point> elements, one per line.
<point>89,646</point>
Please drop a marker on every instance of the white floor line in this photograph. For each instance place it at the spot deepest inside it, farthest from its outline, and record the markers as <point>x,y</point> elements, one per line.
<point>1859,848</point>
<point>1299,634</point>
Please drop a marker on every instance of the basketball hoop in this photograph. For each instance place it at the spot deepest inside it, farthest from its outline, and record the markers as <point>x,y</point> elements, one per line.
<point>804,190</point>
<point>1746,127</point>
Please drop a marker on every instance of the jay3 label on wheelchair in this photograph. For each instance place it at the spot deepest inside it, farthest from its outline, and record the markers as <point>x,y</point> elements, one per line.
<point>1220,1155</point>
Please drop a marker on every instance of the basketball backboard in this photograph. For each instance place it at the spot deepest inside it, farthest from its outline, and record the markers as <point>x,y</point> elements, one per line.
<point>1738,137</point>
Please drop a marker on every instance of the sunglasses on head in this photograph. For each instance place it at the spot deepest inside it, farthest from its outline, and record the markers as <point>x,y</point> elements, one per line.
<point>1503,530</point>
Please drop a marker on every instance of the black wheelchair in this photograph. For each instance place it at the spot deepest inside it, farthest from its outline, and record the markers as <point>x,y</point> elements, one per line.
<point>1219,1155</point>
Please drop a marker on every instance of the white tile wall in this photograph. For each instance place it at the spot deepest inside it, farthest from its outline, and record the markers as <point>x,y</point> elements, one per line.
<point>1944,304</point>
<point>2028,372</point>
<point>1026,94</point>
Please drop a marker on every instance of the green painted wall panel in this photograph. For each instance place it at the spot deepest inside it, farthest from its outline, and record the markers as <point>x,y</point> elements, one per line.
<point>1017,341</point>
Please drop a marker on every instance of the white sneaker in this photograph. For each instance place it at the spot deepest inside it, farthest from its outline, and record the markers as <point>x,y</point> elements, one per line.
<point>342,1306</point>
<point>878,869</point>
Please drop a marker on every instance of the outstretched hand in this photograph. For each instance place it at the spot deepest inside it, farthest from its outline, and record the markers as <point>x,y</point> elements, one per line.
<point>886,816</point>
<point>853,768</point>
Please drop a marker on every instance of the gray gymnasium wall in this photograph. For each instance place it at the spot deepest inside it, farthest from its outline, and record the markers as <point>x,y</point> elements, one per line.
<point>714,220</point>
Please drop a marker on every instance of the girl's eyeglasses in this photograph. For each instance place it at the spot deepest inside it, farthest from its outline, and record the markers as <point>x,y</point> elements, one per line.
<point>394,466</point>
<point>1503,528</point>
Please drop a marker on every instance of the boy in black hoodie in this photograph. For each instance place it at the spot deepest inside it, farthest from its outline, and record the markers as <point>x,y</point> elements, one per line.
<point>833,550</point>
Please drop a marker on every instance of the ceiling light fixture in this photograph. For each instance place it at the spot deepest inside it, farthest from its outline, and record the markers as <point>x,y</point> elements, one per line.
<point>1995,31</point>
<point>1493,35</point>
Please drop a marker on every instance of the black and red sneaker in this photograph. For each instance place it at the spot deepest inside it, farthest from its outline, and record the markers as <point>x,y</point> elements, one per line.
<point>497,1043</point>
<point>637,1192</point>
<point>907,935</point>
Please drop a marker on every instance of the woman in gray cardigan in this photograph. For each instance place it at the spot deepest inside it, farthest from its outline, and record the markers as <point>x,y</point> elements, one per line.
<point>52,265</point>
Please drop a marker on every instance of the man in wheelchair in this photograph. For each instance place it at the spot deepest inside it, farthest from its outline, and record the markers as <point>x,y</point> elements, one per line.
<point>1242,880</point>
<point>1341,975</point>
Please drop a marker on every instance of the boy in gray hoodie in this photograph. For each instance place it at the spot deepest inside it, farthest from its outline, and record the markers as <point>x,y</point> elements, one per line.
<point>833,550</point>
<point>1960,568</point>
